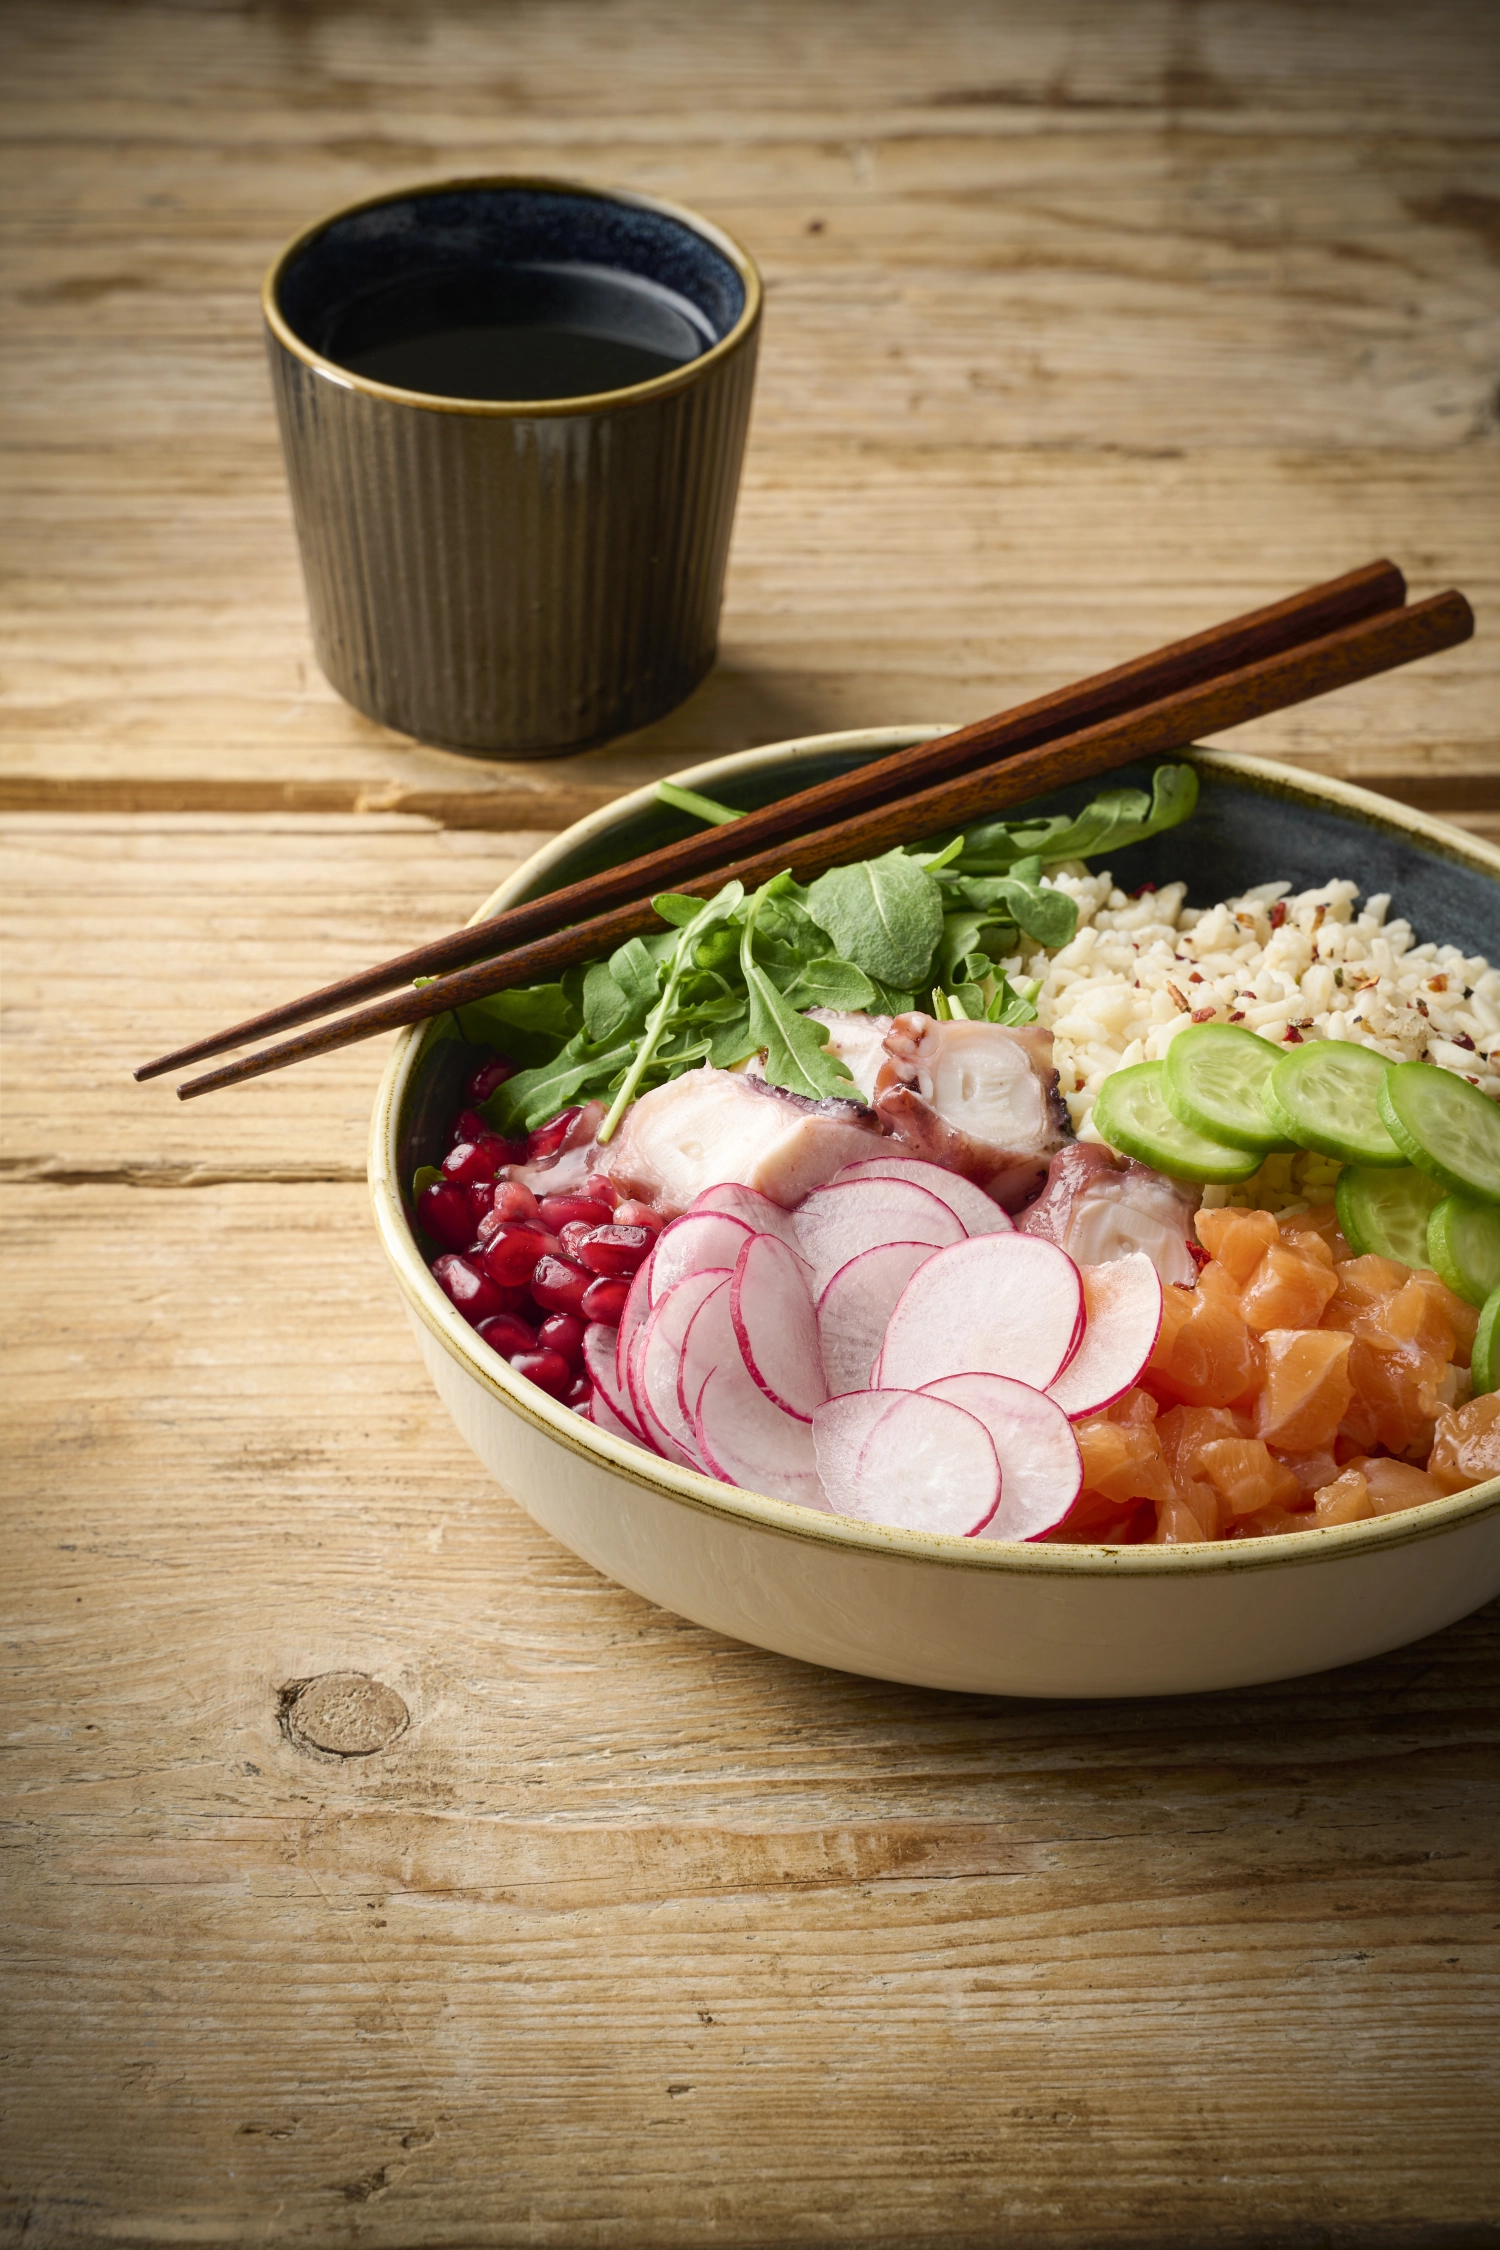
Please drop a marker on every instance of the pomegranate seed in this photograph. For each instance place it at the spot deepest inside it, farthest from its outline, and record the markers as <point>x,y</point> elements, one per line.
<point>469,1126</point>
<point>559,1211</point>
<point>638,1215</point>
<point>511,1253</point>
<point>602,1188</point>
<point>481,1200</point>
<point>573,1236</point>
<point>603,1300</point>
<point>468,1286</point>
<point>514,1200</point>
<point>506,1333</point>
<point>443,1212</point>
<point>614,1249</point>
<point>581,1393</point>
<point>561,1287</point>
<point>473,1162</point>
<point>548,1370</point>
<point>487,1077</point>
<point>548,1139</point>
<point>563,1332</point>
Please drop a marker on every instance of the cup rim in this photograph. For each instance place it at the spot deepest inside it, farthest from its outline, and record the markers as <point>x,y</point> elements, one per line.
<point>510,409</point>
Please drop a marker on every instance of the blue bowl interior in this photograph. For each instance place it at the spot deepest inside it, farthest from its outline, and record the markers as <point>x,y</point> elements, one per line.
<point>450,241</point>
<point>1245,830</point>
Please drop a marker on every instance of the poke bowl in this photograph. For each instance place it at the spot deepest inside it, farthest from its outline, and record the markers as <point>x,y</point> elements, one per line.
<point>1093,1605</point>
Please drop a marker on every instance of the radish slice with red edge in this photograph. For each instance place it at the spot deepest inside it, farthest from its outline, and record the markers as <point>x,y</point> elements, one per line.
<point>750,1207</point>
<point>855,1309</point>
<point>602,1367</point>
<point>907,1459</point>
<point>710,1342</point>
<point>835,1223</point>
<point>636,1311</point>
<point>695,1243</point>
<point>749,1442</point>
<point>1122,1304</point>
<point>604,1417</point>
<point>661,1355</point>
<point>966,1201</point>
<point>1041,1469</point>
<point>1001,1304</point>
<point>772,1309</point>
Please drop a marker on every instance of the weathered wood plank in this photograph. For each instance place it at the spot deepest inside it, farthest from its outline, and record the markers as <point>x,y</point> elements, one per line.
<point>637,1934</point>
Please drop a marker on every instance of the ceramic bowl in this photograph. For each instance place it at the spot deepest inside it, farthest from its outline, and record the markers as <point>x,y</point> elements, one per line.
<point>927,1609</point>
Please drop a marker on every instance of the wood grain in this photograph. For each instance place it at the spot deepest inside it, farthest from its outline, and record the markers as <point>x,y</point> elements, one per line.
<point>1086,326</point>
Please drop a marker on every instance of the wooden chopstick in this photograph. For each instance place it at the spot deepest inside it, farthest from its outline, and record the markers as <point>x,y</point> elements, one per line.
<point>1376,588</point>
<point>1271,683</point>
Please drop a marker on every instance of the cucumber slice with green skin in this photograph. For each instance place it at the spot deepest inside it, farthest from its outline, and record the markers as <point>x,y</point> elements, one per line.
<point>1324,1095</point>
<point>1132,1116</point>
<point>1485,1365</point>
<point>1213,1078</point>
<point>1463,1246</point>
<point>1384,1212</point>
<point>1444,1126</point>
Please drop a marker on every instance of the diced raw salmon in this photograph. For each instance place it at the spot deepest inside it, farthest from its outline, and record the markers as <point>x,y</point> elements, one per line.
<point>1394,1398</point>
<point>1247,1477</point>
<point>1122,1461</point>
<point>1395,1485</point>
<point>1466,1450</point>
<point>1307,1388</point>
<point>1287,1290</point>
<point>1345,1499</point>
<point>1322,1220</point>
<point>1205,1355</point>
<point>1238,1240</point>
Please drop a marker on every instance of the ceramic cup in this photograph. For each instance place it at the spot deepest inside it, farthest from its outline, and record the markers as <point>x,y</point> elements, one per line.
<point>501,575</point>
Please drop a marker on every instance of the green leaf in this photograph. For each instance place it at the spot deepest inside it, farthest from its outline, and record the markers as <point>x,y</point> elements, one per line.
<point>797,1055</point>
<point>829,983</point>
<point>689,801</point>
<point>580,1071</point>
<point>1115,819</point>
<point>891,1000</point>
<point>677,908</point>
<point>885,915</point>
<point>1012,1005</point>
<point>719,908</point>
<point>605,1005</point>
<point>529,1024</point>
<point>425,1176</point>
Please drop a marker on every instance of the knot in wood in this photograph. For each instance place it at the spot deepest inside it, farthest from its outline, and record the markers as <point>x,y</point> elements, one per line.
<point>344,1714</point>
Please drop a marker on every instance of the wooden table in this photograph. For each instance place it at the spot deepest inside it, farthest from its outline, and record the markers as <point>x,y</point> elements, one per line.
<point>1086,325</point>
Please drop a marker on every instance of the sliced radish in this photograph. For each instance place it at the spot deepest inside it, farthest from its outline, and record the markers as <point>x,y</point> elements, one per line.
<point>1122,1305</point>
<point>632,1320</point>
<point>602,1365</point>
<point>907,1459</point>
<point>695,1243</point>
<point>604,1417</point>
<point>661,1354</point>
<point>967,1202</point>
<point>1001,1304</point>
<point>835,1223</point>
<point>710,1342</point>
<point>856,1306</point>
<point>1041,1470</point>
<point>750,1207</point>
<point>749,1442</point>
<point>772,1309</point>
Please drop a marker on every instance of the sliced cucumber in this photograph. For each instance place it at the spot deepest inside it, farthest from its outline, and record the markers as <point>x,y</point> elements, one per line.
<point>1485,1364</point>
<point>1463,1245</point>
<point>1132,1115</point>
<point>1444,1126</point>
<point>1323,1095</point>
<point>1385,1211</point>
<point>1213,1078</point>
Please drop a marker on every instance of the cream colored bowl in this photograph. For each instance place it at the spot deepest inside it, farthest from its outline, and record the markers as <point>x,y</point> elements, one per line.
<point>937,1611</point>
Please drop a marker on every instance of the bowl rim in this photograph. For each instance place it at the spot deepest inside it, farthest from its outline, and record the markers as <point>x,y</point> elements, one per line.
<point>513,409</point>
<point>706,1495</point>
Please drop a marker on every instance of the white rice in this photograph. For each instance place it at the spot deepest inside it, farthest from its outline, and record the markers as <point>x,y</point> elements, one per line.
<point>1138,970</point>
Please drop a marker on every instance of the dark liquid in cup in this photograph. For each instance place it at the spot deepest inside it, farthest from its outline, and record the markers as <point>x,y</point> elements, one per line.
<point>519,332</point>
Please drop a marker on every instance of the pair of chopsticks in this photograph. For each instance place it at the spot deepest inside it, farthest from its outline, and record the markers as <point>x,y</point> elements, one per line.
<point>1324,638</point>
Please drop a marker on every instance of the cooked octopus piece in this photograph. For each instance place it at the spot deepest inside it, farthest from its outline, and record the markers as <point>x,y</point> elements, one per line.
<point>709,1126</point>
<point>859,1043</point>
<point>979,1098</point>
<point>1098,1207</point>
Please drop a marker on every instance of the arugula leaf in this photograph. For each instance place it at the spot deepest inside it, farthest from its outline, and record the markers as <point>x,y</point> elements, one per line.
<point>424,1177</point>
<point>797,1055</point>
<point>529,1024</point>
<point>829,983</point>
<point>719,908</point>
<point>885,915</point>
<point>583,1067</point>
<point>1115,818</point>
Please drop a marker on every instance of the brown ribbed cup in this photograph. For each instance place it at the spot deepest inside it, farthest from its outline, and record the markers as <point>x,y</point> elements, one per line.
<point>514,577</point>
